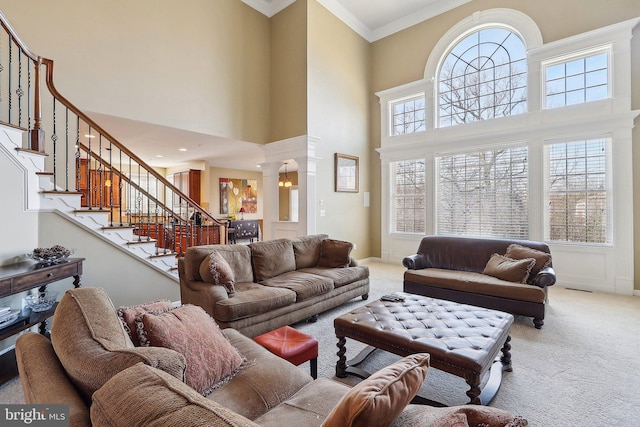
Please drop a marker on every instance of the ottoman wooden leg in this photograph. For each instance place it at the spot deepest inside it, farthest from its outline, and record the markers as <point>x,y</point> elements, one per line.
<point>341,365</point>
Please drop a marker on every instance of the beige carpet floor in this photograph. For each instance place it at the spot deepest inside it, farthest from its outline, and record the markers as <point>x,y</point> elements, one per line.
<point>580,369</point>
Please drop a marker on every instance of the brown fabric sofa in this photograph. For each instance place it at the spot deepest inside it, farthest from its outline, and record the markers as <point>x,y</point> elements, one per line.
<point>452,268</point>
<point>277,282</point>
<point>92,366</point>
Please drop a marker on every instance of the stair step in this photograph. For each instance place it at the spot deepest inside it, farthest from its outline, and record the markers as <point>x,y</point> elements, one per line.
<point>160,255</point>
<point>118,227</point>
<point>26,150</point>
<point>45,173</point>
<point>60,192</point>
<point>140,242</point>
<point>97,210</point>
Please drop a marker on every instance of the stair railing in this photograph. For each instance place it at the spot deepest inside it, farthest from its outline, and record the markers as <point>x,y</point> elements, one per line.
<point>83,157</point>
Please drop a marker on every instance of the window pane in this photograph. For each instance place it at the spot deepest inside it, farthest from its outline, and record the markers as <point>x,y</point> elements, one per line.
<point>408,197</point>
<point>578,192</point>
<point>408,116</point>
<point>482,78</point>
<point>582,80</point>
<point>483,193</point>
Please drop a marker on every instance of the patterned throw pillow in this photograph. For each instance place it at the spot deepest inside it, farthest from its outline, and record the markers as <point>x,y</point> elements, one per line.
<point>215,269</point>
<point>511,270</point>
<point>335,253</point>
<point>211,359</point>
<point>543,259</point>
<point>130,316</point>
<point>379,399</point>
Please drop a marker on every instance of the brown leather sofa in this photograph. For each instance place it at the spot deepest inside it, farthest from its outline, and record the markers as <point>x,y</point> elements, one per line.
<point>92,366</point>
<point>451,268</point>
<point>276,282</point>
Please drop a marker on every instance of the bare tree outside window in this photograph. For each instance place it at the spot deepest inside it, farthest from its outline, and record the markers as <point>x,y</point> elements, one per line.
<point>483,77</point>
<point>484,193</point>
<point>409,192</point>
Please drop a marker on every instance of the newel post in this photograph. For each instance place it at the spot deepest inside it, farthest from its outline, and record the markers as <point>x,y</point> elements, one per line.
<point>36,135</point>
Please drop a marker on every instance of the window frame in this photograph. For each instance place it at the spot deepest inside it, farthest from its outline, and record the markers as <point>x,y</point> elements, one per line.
<point>571,57</point>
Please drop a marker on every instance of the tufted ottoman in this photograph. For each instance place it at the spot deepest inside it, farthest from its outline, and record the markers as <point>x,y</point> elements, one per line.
<point>293,346</point>
<point>462,340</point>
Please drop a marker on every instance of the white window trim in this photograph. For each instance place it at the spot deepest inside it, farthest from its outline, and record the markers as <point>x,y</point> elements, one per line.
<point>610,268</point>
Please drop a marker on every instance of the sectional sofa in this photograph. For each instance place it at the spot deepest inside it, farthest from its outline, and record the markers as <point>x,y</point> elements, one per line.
<point>262,286</point>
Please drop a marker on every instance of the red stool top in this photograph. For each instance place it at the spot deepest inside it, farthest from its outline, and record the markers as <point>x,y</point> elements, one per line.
<point>290,344</point>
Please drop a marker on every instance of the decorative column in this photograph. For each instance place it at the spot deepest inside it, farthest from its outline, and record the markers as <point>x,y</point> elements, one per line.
<point>270,191</point>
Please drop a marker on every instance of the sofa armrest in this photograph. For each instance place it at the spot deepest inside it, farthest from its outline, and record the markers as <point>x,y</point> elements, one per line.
<point>353,262</point>
<point>44,380</point>
<point>545,277</point>
<point>415,262</point>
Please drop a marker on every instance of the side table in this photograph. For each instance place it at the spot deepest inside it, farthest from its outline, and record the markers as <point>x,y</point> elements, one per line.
<point>21,277</point>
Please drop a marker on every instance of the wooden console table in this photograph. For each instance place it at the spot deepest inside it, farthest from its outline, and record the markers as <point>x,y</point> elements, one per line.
<point>245,229</point>
<point>21,277</point>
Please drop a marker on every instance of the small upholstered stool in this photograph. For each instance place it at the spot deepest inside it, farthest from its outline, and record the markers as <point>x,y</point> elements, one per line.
<point>292,345</point>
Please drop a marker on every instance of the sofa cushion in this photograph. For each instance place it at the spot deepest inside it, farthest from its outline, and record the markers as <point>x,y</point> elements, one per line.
<point>215,269</point>
<point>272,258</point>
<point>508,269</point>
<point>238,257</point>
<point>130,316</point>
<point>157,399</point>
<point>307,250</point>
<point>92,345</point>
<point>477,283</point>
<point>252,299</point>
<point>189,330</point>
<point>305,408</point>
<point>266,382</point>
<point>379,399</point>
<point>340,276</point>
<point>516,251</point>
<point>457,416</point>
<point>305,285</point>
<point>334,253</point>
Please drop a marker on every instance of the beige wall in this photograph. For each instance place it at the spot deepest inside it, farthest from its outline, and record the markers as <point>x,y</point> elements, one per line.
<point>289,72</point>
<point>401,58</point>
<point>198,65</point>
<point>339,90</point>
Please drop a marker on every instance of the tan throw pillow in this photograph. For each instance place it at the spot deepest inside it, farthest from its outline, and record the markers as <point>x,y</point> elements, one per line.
<point>543,259</point>
<point>157,399</point>
<point>511,270</point>
<point>189,330</point>
<point>129,314</point>
<point>379,399</point>
<point>215,269</point>
<point>335,253</point>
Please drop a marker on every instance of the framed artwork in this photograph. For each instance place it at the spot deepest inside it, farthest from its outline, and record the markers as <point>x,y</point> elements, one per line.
<point>238,193</point>
<point>346,173</point>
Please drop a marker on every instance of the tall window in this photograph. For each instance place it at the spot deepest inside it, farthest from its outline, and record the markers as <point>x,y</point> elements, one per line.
<point>408,115</point>
<point>483,77</point>
<point>578,191</point>
<point>408,196</point>
<point>483,193</point>
<point>577,81</point>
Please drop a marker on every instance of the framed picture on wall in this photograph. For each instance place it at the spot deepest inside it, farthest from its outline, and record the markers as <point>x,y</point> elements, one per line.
<point>346,173</point>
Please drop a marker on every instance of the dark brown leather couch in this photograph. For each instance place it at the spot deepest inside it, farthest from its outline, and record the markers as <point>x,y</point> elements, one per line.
<point>451,268</point>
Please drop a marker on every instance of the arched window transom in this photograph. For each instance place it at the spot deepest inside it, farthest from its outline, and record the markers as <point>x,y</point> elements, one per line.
<point>484,76</point>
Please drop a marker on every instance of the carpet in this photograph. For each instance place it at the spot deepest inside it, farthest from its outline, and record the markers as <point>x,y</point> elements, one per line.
<point>580,369</point>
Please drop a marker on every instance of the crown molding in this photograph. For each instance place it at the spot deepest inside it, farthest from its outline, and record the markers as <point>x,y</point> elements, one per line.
<point>268,7</point>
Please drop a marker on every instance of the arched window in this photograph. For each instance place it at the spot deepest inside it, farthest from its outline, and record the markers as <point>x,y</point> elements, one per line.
<point>483,76</point>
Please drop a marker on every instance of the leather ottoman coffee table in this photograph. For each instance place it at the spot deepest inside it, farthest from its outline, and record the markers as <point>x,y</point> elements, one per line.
<point>462,340</point>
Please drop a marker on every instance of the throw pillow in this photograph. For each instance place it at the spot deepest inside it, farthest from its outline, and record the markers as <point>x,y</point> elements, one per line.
<point>511,270</point>
<point>211,359</point>
<point>379,399</point>
<point>129,314</point>
<point>215,269</point>
<point>543,259</point>
<point>334,253</point>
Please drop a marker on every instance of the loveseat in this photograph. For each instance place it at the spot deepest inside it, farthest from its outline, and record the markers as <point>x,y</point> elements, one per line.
<point>262,286</point>
<point>501,274</point>
<point>92,366</point>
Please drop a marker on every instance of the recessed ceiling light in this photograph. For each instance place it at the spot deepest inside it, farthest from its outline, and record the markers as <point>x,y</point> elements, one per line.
<point>182,149</point>
<point>90,136</point>
<point>159,156</point>
<point>258,166</point>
